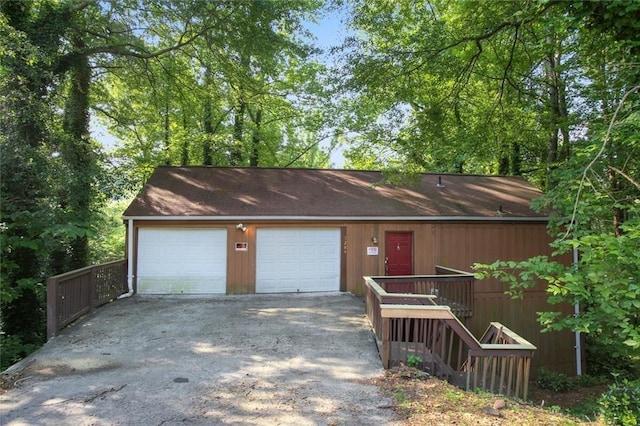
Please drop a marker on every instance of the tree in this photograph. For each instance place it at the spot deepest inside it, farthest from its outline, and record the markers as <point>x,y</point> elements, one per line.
<point>239,95</point>
<point>27,71</point>
<point>531,88</point>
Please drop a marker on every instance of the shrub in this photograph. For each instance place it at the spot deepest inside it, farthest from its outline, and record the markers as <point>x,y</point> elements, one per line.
<point>557,382</point>
<point>13,350</point>
<point>414,361</point>
<point>587,380</point>
<point>617,361</point>
<point>620,405</point>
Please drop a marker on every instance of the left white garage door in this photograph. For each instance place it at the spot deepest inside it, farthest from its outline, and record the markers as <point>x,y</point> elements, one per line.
<point>182,261</point>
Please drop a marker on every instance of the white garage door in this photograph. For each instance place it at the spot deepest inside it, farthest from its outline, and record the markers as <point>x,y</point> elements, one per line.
<point>297,260</point>
<point>182,261</point>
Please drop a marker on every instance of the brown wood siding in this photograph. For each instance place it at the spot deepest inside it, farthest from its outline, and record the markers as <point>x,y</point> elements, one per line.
<point>555,349</point>
<point>359,237</point>
<point>461,245</point>
<point>455,245</point>
<point>448,244</point>
<point>241,265</point>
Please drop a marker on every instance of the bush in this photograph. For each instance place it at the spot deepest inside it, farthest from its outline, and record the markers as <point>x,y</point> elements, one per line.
<point>608,360</point>
<point>557,382</point>
<point>620,405</point>
<point>587,380</point>
<point>414,361</point>
<point>13,350</point>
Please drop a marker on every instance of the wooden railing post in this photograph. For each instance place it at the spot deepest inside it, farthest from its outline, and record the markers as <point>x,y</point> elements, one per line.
<point>527,370</point>
<point>92,288</point>
<point>386,344</point>
<point>52,307</point>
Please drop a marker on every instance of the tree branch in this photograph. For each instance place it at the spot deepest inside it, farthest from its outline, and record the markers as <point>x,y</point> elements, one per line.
<point>626,176</point>
<point>598,155</point>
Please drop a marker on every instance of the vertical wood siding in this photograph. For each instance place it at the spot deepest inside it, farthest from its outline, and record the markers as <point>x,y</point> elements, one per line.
<point>451,244</point>
<point>241,265</point>
<point>462,245</point>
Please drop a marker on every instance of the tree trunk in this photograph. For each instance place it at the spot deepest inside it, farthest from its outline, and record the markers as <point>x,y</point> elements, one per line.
<point>255,139</point>
<point>80,156</point>
<point>166,135</point>
<point>235,153</point>
<point>503,161</point>
<point>515,159</point>
<point>564,119</point>
<point>207,149</point>
<point>184,158</point>
<point>554,108</point>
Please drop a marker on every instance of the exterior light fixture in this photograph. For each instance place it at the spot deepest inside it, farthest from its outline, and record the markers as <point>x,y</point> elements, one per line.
<point>241,227</point>
<point>374,240</point>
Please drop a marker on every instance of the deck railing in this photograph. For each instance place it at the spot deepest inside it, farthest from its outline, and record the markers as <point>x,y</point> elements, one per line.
<point>450,287</point>
<point>75,293</point>
<point>416,325</point>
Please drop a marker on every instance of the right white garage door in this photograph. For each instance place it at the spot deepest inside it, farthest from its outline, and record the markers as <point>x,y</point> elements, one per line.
<point>297,260</point>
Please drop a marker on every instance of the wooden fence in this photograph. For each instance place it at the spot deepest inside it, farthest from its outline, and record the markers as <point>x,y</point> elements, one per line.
<point>416,325</point>
<point>75,293</point>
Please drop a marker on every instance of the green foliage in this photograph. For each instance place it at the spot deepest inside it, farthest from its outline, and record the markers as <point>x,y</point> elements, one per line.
<point>604,283</point>
<point>244,92</point>
<point>453,86</point>
<point>620,405</point>
<point>557,382</point>
<point>414,361</point>
<point>167,78</point>
<point>109,243</point>
<point>587,410</point>
<point>401,397</point>
<point>13,350</point>
<point>610,359</point>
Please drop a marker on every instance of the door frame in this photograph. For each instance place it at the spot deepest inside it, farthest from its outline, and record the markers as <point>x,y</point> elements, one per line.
<point>412,254</point>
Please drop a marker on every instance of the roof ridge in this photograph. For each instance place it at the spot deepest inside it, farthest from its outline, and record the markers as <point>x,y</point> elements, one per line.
<point>196,166</point>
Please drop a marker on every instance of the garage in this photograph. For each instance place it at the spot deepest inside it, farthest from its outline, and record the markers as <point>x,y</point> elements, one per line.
<point>297,260</point>
<point>182,261</point>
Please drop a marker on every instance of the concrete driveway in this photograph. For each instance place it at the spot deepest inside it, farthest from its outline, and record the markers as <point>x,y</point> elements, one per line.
<point>255,359</point>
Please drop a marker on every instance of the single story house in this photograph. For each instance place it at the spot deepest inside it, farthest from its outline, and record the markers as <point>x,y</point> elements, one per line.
<point>236,230</point>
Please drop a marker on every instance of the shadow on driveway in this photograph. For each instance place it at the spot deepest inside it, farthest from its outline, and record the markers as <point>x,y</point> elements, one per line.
<point>256,359</point>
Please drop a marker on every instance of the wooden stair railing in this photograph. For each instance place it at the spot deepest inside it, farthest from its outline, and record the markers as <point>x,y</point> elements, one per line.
<point>435,334</point>
<point>414,324</point>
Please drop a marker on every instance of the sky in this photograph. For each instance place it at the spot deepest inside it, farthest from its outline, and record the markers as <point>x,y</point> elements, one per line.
<point>330,31</point>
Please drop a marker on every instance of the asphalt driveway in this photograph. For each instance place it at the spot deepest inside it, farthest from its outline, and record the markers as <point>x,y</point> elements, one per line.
<point>255,360</point>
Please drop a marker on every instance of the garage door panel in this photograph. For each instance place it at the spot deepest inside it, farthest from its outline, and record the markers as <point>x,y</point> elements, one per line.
<point>297,260</point>
<point>182,261</point>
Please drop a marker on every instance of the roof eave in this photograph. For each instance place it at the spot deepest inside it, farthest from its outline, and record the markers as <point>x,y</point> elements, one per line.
<point>505,218</point>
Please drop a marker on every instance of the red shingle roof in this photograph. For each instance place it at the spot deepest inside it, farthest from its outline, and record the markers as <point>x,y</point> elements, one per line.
<point>237,192</point>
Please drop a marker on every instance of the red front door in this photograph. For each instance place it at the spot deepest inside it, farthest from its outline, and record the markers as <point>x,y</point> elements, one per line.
<point>398,253</point>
